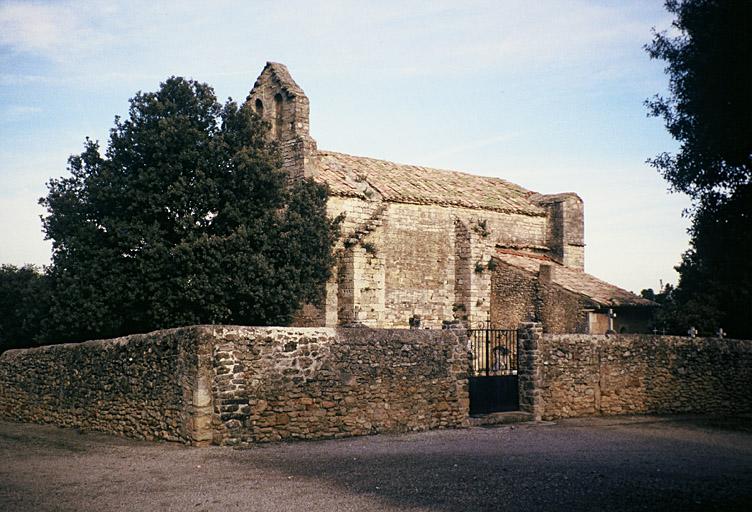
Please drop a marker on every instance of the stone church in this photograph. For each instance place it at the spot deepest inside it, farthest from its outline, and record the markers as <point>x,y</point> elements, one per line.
<point>444,247</point>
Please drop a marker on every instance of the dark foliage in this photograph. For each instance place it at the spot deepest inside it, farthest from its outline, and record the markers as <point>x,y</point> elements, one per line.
<point>710,113</point>
<point>23,305</point>
<point>715,289</point>
<point>710,106</point>
<point>185,219</point>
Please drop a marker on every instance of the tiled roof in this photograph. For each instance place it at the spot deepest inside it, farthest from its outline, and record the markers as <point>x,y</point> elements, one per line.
<point>576,281</point>
<point>354,176</point>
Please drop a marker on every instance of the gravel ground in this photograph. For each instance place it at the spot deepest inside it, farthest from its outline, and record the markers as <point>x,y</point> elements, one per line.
<point>613,464</point>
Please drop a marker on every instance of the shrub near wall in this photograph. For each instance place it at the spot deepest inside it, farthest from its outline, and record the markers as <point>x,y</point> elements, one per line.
<point>579,375</point>
<point>272,384</point>
<point>144,386</point>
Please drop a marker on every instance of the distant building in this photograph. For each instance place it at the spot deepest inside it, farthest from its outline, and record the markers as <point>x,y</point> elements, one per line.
<point>443,245</point>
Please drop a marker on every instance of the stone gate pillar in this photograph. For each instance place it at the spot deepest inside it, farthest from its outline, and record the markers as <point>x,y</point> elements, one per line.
<point>529,373</point>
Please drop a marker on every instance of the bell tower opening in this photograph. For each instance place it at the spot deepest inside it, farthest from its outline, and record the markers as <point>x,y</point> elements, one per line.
<point>281,103</point>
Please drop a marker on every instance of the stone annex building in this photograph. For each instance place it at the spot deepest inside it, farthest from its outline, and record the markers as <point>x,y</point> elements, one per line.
<point>442,246</point>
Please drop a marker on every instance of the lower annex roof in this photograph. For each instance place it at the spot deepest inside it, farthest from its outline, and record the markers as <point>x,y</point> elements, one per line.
<point>577,281</point>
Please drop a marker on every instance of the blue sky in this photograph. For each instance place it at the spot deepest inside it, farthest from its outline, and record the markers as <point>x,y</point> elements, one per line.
<point>547,94</point>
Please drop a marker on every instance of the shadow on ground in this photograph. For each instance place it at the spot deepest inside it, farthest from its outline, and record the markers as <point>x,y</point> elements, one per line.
<point>662,464</point>
<point>613,464</point>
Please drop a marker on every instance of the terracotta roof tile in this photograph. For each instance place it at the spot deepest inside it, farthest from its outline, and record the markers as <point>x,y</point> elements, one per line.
<point>576,281</point>
<point>354,176</point>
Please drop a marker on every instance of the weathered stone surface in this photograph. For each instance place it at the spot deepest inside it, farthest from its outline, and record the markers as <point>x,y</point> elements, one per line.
<point>283,104</point>
<point>566,228</point>
<point>579,375</point>
<point>418,242</point>
<point>398,260</point>
<point>527,287</point>
<point>239,385</point>
<point>145,386</point>
<point>311,383</point>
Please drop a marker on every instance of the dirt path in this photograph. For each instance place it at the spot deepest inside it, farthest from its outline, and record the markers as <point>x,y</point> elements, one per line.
<point>609,464</point>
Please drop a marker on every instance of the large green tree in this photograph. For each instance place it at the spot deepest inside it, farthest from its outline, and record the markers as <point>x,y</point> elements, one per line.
<point>709,112</point>
<point>186,218</point>
<point>23,306</point>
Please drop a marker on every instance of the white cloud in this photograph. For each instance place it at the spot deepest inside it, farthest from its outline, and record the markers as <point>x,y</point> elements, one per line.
<point>18,79</point>
<point>16,111</point>
<point>32,27</point>
<point>60,31</point>
<point>415,38</point>
<point>514,68</point>
<point>450,37</point>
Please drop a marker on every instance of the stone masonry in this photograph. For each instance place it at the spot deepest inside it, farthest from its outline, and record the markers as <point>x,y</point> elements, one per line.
<point>278,99</point>
<point>430,261</point>
<point>231,385</point>
<point>415,241</point>
<point>526,287</point>
<point>241,385</point>
<point>147,386</point>
<point>565,375</point>
<point>275,384</point>
<point>517,298</point>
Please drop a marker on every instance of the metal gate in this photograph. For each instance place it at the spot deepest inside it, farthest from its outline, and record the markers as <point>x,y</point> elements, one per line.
<point>493,383</point>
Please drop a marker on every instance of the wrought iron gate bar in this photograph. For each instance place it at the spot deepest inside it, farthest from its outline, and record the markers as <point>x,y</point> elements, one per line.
<point>493,384</point>
<point>494,351</point>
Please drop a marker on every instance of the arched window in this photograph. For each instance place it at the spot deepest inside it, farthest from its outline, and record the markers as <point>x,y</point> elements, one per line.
<point>277,124</point>
<point>260,107</point>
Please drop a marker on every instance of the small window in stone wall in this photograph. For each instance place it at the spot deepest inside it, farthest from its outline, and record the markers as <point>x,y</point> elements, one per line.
<point>277,127</point>
<point>260,107</point>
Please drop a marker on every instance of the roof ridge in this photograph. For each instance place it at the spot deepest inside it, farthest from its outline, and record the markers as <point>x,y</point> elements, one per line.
<point>415,184</point>
<point>531,255</point>
<point>425,167</point>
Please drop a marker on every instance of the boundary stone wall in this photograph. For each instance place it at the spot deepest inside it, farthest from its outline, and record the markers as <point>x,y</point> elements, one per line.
<point>566,375</point>
<point>146,386</point>
<point>273,384</point>
<point>239,385</point>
